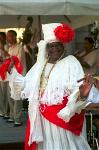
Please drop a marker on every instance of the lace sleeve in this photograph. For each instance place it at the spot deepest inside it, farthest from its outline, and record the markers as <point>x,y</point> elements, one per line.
<point>73,106</point>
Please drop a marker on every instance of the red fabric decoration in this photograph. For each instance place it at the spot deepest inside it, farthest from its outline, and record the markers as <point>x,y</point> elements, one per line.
<point>4,67</point>
<point>50,113</point>
<point>64,33</point>
<point>33,145</point>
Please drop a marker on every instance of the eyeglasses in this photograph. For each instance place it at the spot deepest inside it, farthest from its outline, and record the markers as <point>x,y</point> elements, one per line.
<point>54,45</point>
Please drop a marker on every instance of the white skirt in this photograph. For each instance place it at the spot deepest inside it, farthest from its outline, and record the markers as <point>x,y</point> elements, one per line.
<point>56,138</point>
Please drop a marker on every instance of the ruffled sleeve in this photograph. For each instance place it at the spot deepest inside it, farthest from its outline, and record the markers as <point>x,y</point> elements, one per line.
<point>21,86</point>
<point>73,106</point>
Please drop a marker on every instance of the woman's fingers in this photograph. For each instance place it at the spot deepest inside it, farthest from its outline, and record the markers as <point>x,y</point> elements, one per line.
<point>88,79</point>
<point>86,86</point>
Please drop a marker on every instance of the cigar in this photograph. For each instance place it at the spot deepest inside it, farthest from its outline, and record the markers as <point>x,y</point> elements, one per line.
<point>80,80</point>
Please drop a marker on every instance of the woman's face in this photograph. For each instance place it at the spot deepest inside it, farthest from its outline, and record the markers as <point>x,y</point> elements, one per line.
<point>54,50</point>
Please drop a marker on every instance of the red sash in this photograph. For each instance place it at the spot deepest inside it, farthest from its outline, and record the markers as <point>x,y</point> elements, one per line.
<point>50,113</point>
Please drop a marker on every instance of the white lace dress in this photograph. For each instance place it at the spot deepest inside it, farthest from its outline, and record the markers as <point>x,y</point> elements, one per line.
<point>58,138</point>
<point>47,135</point>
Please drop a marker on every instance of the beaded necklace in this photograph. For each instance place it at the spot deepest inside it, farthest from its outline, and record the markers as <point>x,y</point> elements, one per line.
<point>44,84</point>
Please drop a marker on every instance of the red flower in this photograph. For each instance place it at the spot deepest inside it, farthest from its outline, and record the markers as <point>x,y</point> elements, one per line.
<point>64,33</point>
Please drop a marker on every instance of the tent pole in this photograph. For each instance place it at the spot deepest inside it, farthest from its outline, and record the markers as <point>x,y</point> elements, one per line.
<point>67,18</point>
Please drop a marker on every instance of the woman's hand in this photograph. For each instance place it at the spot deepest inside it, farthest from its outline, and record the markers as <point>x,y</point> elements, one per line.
<point>86,86</point>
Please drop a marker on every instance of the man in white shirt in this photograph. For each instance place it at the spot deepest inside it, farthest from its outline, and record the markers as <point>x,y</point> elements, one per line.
<point>15,49</point>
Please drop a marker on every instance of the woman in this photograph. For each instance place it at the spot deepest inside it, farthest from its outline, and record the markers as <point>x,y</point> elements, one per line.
<point>56,119</point>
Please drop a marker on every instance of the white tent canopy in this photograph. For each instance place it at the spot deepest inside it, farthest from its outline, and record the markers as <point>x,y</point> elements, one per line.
<point>49,7</point>
<point>13,13</point>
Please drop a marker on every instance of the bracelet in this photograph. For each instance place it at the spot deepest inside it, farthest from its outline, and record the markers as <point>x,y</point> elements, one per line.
<point>82,98</point>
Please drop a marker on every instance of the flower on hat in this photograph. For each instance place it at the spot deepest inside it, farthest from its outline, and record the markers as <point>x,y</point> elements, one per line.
<point>64,33</point>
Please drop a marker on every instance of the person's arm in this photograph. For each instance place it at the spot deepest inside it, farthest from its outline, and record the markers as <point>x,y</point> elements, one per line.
<point>76,102</point>
<point>86,86</point>
<point>85,64</point>
<point>92,106</point>
<point>21,86</point>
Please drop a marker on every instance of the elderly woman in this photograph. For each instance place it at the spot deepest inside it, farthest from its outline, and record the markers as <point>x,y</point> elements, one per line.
<point>56,100</point>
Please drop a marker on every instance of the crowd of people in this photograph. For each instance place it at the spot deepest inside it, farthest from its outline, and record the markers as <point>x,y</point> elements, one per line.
<point>56,100</point>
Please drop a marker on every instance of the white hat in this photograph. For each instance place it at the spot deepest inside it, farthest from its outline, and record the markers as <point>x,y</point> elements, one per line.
<point>54,32</point>
<point>48,29</point>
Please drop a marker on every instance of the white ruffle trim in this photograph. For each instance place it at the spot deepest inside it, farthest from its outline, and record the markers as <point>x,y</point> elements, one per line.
<point>72,107</point>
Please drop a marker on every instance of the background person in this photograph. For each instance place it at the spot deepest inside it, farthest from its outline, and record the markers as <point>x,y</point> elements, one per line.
<point>15,49</point>
<point>4,92</point>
